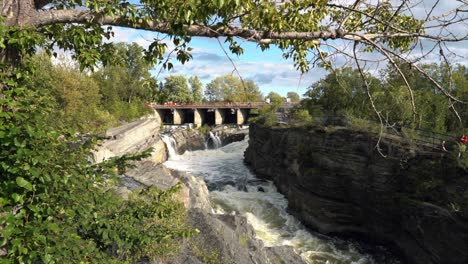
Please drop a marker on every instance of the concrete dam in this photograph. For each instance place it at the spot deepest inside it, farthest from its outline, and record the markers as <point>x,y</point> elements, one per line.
<point>209,113</point>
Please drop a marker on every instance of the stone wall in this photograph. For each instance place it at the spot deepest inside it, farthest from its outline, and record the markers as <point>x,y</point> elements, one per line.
<point>413,201</point>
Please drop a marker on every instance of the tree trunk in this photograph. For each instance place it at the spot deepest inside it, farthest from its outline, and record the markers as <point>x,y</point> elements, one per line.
<point>16,13</point>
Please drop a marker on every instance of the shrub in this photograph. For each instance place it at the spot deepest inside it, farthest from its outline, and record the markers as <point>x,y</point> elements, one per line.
<point>57,207</point>
<point>266,116</point>
<point>300,116</point>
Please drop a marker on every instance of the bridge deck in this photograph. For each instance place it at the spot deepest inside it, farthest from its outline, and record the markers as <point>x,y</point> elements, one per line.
<point>214,105</point>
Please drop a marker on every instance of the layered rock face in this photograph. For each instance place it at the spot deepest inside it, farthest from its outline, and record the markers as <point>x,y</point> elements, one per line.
<point>132,137</point>
<point>413,201</point>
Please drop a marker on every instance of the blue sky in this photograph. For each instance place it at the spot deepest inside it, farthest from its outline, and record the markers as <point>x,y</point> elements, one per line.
<point>268,69</point>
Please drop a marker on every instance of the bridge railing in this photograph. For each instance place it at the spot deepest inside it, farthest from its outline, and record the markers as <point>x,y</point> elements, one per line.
<point>207,105</point>
<point>213,105</point>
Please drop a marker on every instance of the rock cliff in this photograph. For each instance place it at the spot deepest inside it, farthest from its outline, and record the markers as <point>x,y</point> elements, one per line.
<point>413,201</point>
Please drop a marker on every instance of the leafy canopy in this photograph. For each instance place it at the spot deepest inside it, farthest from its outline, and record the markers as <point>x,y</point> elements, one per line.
<point>229,88</point>
<point>296,27</point>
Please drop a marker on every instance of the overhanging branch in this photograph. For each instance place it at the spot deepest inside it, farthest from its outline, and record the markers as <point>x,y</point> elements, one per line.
<point>49,17</point>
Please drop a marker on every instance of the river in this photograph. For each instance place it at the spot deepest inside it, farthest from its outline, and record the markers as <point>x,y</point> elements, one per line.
<point>235,190</point>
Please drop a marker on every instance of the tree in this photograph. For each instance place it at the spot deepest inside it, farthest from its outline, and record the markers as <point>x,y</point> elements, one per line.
<point>128,78</point>
<point>275,98</point>
<point>229,88</point>
<point>224,88</point>
<point>196,87</point>
<point>342,91</point>
<point>432,111</point>
<point>125,84</point>
<point>176,89</point>
<point>302,29</point>
<point>293,96</point>
<point>252,92</point>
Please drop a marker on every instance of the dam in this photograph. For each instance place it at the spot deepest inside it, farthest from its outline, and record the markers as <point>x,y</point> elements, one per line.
<point>216,113</point>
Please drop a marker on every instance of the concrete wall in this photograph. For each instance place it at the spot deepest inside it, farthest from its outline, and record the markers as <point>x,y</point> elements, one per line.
<point>158,115</point>
<point>242,115</point>
<point>199,117</point>
<point>178,116</point>
<point>219,116</point>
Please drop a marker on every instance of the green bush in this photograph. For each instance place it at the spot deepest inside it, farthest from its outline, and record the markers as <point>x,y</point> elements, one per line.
<point>56,207</point>
<point>204,130</point>
<point>266,116</point>
<point>364,125</point>
<point>300,116</point>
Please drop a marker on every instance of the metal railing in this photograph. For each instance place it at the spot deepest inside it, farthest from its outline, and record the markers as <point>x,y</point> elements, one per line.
<point>170,105</point>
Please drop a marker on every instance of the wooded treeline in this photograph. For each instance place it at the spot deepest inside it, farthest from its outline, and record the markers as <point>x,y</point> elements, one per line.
<point>343,93</point>
<point>92,101</point>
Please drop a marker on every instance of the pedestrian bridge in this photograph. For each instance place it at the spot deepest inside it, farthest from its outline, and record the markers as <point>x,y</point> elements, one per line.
<point>207,113</point>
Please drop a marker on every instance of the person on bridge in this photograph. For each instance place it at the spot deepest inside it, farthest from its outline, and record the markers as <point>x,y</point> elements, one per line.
<point>464,139</point>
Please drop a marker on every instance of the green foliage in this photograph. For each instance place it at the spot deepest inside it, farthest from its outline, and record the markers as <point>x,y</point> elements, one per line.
<point>56,207</point>
<point>461,155</point>
<point>77,96</point>
<point>94,102</point>
<point>342,92</point>
<point>231,89</point>
<point>266,116</point>
<point>204,130</point>
<point>87,40</point>
<point>364,125</point>
<point>176,89</point>
<point>295,98</point>
<point>300,116</point>
<point>276,99</point>
<point>126,84</point>
<point>196,88</point>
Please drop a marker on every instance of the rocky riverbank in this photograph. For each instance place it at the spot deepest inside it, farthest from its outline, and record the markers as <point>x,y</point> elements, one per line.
<point>414,202</point>
<point>222,238</point>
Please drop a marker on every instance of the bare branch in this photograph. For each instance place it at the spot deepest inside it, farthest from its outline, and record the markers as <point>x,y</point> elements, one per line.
<point>233,64</point>
<point>369,95</point>
<point>392,61</point>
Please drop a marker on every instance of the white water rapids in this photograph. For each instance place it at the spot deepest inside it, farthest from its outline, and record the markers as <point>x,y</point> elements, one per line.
<point>234,189</point>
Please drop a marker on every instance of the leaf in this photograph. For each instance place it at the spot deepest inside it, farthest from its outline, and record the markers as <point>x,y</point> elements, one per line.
<point>17,198</point>
<point>24,183</point>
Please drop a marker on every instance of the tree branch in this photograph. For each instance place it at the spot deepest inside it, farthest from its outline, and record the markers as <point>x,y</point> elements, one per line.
<point>49,17</point>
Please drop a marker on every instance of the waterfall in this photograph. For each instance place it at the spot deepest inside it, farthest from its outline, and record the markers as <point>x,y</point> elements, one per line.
<point>235,189</point>
<point>171,145</point>
<point>215,139</point>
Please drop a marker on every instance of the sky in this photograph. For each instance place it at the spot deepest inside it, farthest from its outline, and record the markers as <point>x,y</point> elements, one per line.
<point>269,70</point>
